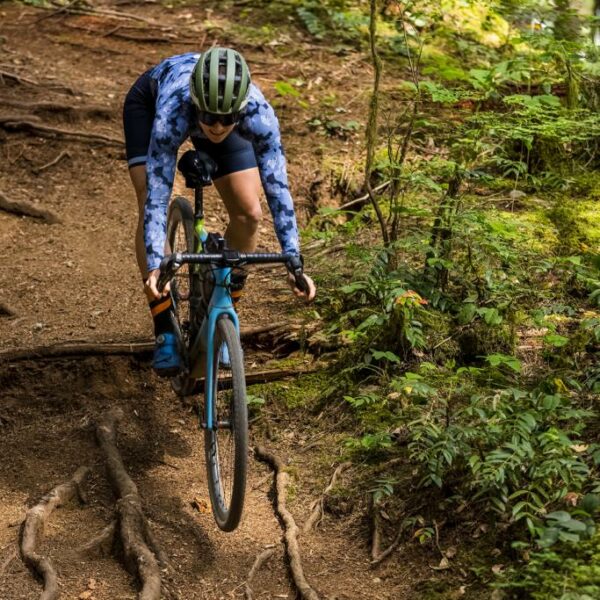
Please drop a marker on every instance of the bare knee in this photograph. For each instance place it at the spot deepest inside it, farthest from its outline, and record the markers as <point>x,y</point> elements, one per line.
<point>249,218</point>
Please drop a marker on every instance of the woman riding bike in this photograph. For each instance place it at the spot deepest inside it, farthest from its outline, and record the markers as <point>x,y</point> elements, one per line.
<point>209,98</point>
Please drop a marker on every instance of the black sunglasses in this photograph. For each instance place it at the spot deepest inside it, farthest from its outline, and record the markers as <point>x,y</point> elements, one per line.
<point>211,118</point>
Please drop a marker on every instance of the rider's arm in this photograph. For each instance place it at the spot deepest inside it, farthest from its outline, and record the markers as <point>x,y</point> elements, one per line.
<point>259,124</point>
<point>167,134</point>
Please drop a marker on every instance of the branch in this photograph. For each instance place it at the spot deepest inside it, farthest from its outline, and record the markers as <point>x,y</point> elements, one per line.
<point>291,530</point>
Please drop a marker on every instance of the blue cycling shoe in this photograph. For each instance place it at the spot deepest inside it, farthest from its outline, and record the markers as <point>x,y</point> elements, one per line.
<point>166,361</point>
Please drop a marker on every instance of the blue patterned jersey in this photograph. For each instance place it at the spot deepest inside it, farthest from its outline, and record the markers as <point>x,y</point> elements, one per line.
<point>175,121</point>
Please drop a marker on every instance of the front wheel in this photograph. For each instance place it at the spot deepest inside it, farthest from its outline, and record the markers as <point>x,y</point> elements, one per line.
<point>226,445</point>
<point>180,234</point>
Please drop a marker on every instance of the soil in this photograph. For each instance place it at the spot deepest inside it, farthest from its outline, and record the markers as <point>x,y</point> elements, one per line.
<point>78,280</point>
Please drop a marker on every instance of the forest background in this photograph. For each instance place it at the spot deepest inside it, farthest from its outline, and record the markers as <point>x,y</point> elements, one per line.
<point>453,228</point>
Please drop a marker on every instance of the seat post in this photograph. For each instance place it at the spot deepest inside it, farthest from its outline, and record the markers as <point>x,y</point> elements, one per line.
<point>198,203</point>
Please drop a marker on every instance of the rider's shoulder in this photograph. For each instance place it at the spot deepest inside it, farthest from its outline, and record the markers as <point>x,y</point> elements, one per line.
<point>175,65</point>
<point>257,103</point>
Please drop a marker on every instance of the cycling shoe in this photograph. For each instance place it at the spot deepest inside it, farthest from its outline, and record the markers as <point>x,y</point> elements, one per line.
<point>166,361</point>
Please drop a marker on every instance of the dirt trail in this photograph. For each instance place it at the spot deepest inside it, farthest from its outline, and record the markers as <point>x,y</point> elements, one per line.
<point>77,280</point>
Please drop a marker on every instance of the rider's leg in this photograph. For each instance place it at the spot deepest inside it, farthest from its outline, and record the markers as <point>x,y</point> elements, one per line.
<point>138,179</point>
<point>166,356</point>
<point>240,192</point>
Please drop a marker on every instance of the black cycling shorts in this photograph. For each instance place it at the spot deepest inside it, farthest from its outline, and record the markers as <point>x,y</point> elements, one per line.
<point>233,154</point>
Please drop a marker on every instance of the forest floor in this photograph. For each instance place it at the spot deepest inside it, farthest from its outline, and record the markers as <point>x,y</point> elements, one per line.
<point>76,280</point>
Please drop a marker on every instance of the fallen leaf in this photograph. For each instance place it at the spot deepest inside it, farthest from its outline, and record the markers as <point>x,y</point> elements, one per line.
<point>579,448</point>
<point>571,498</point>
<point>200,505</point>
<point>444,564</point>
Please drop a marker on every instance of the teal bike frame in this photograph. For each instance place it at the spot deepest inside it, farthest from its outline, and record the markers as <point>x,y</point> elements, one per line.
<point>201,350</point>
<point>203,346</point>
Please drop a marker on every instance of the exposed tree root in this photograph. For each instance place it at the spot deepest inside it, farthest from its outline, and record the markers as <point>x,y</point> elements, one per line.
<point>90,110</point>
<point>259,561</point>
<point>79,8</point>
<point>291,530</point>
<point>54,86</point>
<point>141,552</point>
<point>33,527</point>
<point>17,78</point>
<point>27,209</point>
<point>101,544</point>
<point>378,556</point>
<point>317,506</point>
<point>13,553</point>
<point>7,309</point>
<point>91,348</point>
<point>15,123</point>
<point>55,161</point>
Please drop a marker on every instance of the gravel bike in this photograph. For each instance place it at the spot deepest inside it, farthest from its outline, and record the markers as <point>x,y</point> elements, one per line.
<point>199,271</point>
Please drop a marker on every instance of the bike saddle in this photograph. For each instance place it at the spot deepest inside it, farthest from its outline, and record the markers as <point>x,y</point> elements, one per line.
<point>197,167</point>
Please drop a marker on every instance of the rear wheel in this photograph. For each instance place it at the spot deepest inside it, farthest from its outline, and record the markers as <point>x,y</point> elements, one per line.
<point>226,445</point>
<point>180,234</point>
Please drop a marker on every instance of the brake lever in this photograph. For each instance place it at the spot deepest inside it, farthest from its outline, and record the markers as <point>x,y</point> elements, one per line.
<point>301,282</point>
<point>296,267</point>
<point>169,265</point>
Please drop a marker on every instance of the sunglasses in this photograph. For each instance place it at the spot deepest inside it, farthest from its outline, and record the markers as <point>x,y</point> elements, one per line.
<point>211,118</point>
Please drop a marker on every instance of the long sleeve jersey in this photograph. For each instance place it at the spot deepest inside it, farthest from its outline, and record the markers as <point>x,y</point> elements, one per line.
<point>175,121</point>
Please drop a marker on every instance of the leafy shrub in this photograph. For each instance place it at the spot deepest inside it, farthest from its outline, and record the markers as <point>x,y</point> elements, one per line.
<point>516,452</point>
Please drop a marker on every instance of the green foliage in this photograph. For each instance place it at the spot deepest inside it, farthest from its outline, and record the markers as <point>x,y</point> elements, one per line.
<point>516,452</point>
<point>569,571</point>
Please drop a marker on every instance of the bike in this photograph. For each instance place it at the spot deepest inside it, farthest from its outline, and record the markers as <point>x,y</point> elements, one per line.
<point>206,322</point>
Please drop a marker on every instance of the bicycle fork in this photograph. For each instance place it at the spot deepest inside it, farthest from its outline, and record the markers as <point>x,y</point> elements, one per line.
<point>203,352</point>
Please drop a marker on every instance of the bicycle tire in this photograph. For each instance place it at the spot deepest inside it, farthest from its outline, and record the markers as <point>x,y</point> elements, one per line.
<point>180,234</point>
<point>228,407</point>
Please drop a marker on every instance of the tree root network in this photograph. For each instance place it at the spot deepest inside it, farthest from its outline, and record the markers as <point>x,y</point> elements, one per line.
<point>291,530</point>
<point>33,527</point>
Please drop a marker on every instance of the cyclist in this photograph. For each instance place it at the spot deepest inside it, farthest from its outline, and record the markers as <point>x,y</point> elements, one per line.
<point>209,98</point>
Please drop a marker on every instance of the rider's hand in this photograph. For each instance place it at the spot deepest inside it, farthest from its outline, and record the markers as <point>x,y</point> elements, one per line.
<point>151,289</point>
<point>312,288</point>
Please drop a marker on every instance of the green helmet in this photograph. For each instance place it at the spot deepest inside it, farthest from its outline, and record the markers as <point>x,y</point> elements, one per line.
<point>220,81</point>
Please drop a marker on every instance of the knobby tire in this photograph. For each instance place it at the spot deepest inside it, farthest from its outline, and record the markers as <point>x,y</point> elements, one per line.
<point>180,234</point>
<point>226,449</point>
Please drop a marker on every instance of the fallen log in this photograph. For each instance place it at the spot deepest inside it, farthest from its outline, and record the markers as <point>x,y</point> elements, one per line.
<point>291,530</point>
<point>143,558</point>
<point>12,123</point>
<point>33,527</point>
<point>27,209</point>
